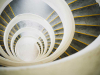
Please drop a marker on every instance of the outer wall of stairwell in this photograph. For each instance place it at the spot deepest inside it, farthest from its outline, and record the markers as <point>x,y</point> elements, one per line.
<point>85,62</point>
<point>3,4</point>
<point>98,2</point>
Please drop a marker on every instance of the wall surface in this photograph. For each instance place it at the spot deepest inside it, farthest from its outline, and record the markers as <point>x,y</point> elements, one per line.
<point>3,4</point>
<point>85,62</point>
<point>98,2</point>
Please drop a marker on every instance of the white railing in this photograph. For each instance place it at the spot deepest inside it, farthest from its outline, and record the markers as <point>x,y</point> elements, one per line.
<point>72,65</point>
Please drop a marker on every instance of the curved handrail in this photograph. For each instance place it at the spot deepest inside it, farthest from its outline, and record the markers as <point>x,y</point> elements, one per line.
<point>68,24</point>
<point>32,17</point>
<point>28,29</point>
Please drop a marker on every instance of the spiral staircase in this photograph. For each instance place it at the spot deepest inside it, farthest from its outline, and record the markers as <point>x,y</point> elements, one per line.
<point>49,37</point>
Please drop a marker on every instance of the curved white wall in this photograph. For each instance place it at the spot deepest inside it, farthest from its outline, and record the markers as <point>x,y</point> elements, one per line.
<point>85,62</point>
<point>98,2</point>
<point>3,4</point>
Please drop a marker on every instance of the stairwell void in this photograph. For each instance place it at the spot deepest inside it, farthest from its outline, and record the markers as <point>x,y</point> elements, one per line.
<point>49,37</point>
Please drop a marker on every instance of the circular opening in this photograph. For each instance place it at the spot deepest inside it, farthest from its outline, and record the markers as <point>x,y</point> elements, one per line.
<point>26,48</point>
